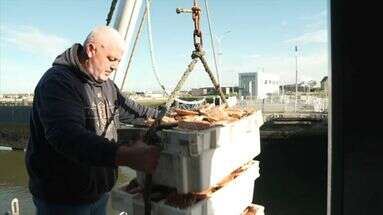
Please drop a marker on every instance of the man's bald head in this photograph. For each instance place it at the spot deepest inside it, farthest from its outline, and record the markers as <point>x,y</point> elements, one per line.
<point>103,49</point>
<point>106,36</point>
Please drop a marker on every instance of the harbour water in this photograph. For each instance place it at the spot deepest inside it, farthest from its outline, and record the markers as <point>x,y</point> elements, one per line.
<point>293,176</point>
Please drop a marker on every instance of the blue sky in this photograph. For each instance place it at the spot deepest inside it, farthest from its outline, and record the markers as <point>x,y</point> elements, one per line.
<point>262,36</point>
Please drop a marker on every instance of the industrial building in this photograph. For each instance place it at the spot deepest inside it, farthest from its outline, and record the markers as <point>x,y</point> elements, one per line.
<point>258,85</point>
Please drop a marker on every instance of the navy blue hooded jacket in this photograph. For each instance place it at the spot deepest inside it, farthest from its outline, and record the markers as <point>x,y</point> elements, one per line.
<point>71,152</point>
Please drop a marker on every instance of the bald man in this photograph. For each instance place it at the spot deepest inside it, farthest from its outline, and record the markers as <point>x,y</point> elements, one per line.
<point>73,151</point>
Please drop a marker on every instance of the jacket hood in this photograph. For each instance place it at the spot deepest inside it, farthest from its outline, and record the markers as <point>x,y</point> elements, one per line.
<point>69,58</point>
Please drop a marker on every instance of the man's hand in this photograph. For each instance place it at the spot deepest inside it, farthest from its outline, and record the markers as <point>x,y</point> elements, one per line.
<point>139,156</point>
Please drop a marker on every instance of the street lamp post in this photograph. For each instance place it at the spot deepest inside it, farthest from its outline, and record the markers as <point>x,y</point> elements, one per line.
<point>296,78</point>
<point>217,68</point>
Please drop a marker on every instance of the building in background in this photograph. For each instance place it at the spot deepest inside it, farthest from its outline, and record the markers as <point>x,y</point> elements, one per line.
<point>16,99</point>
<point>258,85</point>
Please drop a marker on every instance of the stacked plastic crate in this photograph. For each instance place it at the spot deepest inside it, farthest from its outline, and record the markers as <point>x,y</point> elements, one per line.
<point>200,161</point>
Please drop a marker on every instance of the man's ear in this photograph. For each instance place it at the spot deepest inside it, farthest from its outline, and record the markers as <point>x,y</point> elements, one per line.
<point>90,50</point>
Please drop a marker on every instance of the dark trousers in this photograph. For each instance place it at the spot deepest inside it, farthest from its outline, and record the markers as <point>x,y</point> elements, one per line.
<point>97,208</point>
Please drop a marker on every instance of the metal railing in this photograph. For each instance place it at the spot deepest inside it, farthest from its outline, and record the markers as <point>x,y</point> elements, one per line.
<point>287,104</point>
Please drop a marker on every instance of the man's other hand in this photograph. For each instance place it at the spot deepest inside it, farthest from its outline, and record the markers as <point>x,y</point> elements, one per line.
<point>139,156</point>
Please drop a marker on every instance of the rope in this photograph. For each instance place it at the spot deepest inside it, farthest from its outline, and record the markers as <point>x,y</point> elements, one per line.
<point>111,11</point>
<point>212,42</point>
<point>215,83</point>
<point>134,47</point>
<point>180,83</point>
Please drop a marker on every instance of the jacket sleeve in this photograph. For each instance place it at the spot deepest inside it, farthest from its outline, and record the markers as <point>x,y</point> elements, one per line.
<point>129,107</point>
<point>61,111</point>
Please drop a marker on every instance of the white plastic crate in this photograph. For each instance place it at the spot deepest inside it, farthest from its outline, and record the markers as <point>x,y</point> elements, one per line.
<point>122,200</point>
<point>231,199</point>
<point>259,209</point>
<point>192,161</point>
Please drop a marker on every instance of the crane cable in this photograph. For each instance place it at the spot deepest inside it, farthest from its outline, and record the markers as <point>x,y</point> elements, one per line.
<point>212,42</point>
<point>133,48</point>
<point>111,11</point>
